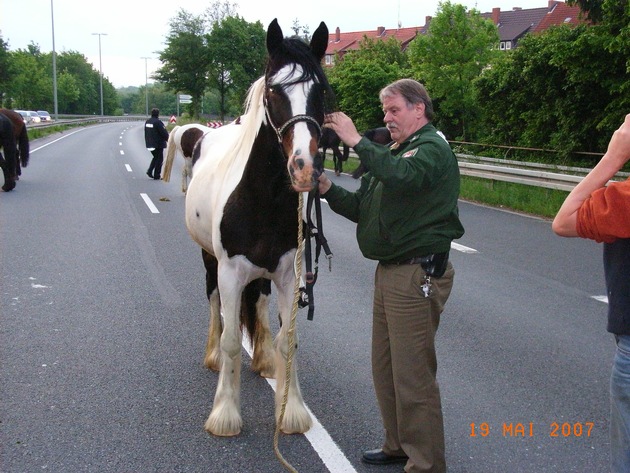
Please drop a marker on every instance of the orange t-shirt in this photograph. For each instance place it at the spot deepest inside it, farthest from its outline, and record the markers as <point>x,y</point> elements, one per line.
<point>605,215</point>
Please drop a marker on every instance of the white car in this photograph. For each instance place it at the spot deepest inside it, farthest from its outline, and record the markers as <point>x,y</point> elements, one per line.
<point>33,116</point>
<point>44,115</point>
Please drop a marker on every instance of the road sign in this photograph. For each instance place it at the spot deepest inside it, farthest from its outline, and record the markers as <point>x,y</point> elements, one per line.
<point>185,97</point>
<point>185,101</point>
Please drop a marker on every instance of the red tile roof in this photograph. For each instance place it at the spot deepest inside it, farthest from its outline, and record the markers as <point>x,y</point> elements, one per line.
<point>339,42</point>
<point>512,25</point>
<point>561,14</point>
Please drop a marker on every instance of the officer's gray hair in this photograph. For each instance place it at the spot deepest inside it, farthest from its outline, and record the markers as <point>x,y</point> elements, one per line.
<point>412,91</point>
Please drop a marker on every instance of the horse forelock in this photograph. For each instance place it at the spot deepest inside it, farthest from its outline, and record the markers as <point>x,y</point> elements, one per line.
<point>294,52</point>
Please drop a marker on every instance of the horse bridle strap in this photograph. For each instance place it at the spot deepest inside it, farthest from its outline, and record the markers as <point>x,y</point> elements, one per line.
<point>314,231</point>
<point>280,131</point>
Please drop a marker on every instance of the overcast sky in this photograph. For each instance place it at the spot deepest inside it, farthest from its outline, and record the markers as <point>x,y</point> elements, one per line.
<point>137,28</point>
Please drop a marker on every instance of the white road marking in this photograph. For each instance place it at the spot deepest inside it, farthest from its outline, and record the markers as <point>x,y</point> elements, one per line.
<point>320,439</point>
<point>128,167</point>
<point>462,248</point>
<point>150,204</point>
<point>603,299</point>
<point>58,139</point>
<point>122,152</point>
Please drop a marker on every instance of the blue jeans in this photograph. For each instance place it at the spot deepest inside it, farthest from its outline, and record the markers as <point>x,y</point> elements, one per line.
<point>620,407</point>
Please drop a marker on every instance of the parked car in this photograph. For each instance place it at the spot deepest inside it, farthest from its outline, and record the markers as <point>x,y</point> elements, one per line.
<point>44,115</point>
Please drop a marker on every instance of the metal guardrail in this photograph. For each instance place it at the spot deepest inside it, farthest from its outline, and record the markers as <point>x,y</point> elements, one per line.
<point>531,174</point>
<point>87,120</point>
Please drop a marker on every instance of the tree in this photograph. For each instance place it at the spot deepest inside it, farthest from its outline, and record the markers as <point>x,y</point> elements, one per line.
<point>558,90</point>
<point>232,73</point>
<point>186,59</point>
<point>358,78</point>
<point>458,46</point>
<point>5,73</point>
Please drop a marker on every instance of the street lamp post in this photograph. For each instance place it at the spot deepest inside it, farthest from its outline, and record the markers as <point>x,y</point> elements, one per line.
<point>146,84</point>
<point>54,62</point>
<point>100,65</point>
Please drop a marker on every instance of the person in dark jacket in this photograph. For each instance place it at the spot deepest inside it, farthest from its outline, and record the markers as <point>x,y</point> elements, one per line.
<point>155,137</point>
<point>407,216</point>
<point>600,210</point>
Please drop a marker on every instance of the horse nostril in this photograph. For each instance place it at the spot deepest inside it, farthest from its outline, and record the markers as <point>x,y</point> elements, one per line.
<point>300,163</point>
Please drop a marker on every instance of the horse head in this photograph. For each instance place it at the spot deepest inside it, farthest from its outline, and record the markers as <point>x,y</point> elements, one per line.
<point>296,97</point>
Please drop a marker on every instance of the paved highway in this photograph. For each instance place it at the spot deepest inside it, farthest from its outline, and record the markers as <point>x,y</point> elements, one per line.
<point>104,320</point>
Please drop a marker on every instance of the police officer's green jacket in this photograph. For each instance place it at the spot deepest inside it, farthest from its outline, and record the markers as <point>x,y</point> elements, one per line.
<point>406,205</point>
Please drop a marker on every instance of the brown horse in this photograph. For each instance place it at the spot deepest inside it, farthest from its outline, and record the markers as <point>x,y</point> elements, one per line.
<point>8,145</point>
<point>21,139</point>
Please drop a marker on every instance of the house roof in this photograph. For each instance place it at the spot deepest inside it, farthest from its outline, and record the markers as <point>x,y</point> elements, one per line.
<point>516,23</point>
<point>560,14</point>
<point>339,42</point>
<point>512,25</point>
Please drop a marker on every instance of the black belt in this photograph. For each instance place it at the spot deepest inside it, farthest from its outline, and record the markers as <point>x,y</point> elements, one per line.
<point>434,264</point>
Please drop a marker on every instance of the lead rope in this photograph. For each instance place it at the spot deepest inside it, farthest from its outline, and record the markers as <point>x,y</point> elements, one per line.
<point>291,335</point>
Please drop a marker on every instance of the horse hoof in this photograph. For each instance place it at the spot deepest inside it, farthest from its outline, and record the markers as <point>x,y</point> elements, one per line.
<point>9,186</point>
<point>221,427</point>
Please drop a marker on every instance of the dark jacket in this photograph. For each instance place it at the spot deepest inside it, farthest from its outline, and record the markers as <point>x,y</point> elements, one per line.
<point>155,134</point>
<point>617,271</point>
<point>406,205</point>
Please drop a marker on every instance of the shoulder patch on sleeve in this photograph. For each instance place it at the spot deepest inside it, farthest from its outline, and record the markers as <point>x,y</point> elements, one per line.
<point>410,153</point>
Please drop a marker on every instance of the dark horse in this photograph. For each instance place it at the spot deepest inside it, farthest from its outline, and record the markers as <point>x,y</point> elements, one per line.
<point>242,209</point>
<point>330,140</point>
<point>378,135</point>
<point>8,145</point>
<point>21,138</point>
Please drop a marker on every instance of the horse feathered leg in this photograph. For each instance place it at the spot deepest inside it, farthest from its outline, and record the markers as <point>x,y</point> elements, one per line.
<point>296,418</point>
<point>225,418</point>
<point>212,359</point>
<point>263,361</point>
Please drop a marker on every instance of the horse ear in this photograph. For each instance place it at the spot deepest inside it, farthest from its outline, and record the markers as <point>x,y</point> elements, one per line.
<point>319,42</point>
<point>274,36</point>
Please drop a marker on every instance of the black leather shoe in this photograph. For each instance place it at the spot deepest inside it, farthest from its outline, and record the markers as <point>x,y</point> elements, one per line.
<point>149,174</point>
<point>379,457</point>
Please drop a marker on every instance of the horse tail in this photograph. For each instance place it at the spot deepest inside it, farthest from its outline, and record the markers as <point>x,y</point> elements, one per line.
<point>24,147</point>
<point>171,148</point>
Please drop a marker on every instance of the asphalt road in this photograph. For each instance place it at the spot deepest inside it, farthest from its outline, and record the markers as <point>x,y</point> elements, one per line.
<point>104,320</point>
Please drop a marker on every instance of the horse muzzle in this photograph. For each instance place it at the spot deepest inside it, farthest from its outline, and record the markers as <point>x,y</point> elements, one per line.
<point>304,173</point>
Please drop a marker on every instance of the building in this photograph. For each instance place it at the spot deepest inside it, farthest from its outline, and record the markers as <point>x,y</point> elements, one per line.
<point>512,26</point>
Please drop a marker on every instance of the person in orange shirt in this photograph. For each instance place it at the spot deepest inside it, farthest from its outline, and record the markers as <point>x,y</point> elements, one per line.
<point>600,211</point>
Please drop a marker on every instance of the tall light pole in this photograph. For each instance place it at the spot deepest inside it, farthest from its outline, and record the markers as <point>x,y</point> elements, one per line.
<point>146,84</point>
<point>100,65</point>
<point>54,62</point>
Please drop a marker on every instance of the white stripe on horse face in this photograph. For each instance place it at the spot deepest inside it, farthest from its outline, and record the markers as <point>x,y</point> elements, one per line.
<point>298,95</point>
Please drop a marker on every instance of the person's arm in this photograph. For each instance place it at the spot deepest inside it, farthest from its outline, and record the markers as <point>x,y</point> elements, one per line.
<point>618,153</point>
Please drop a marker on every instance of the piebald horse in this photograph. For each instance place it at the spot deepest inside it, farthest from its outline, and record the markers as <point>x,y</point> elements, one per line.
<point>182,140</point>
<point>242,209</point>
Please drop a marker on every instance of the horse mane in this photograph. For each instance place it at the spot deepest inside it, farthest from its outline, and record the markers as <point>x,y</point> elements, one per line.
<point>250,123</point>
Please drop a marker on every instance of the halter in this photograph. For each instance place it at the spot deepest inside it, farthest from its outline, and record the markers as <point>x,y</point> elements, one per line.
<point>280,131</point>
